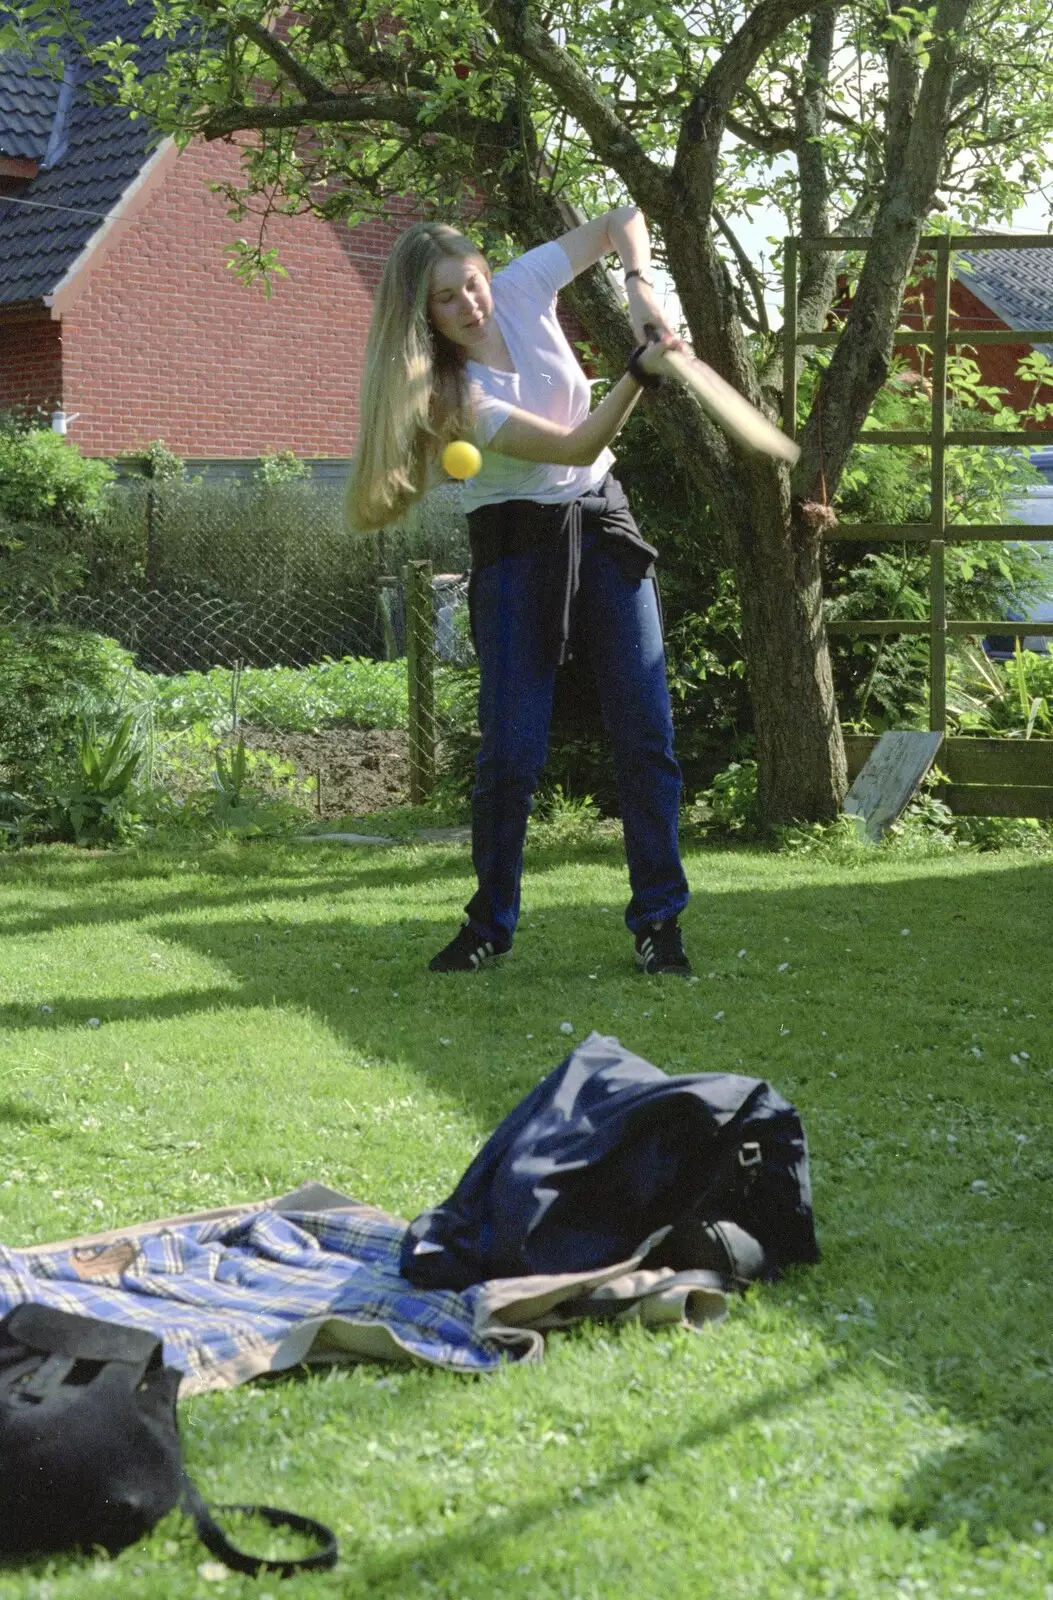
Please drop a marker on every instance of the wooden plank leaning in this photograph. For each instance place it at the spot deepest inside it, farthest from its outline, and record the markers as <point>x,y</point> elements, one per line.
<point>890,777</point>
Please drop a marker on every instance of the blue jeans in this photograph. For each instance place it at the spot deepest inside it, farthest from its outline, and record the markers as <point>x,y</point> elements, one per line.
<point>618,623</point>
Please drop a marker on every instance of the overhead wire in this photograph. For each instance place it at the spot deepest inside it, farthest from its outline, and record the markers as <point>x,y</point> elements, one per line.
<point>49,205</point>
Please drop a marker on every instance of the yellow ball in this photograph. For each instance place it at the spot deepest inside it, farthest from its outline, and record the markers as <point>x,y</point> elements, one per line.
<point>461,459</point>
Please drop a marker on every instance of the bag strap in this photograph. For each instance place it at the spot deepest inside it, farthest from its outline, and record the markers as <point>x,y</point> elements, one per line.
<point>215,1540</point>
<point>50,1332</point>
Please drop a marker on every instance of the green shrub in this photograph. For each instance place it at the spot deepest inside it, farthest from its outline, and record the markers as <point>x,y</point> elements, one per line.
<point>281,466</point>
<point>50,498</point>
<point>38,569</point>
<point>357,692</point>
<point>201,790</point>
<point>43,478</point>
<point>882,682</point>
<point>155,461</point>
<point>92,803</point>
<point>64,693</point>
<point>1001,699</point>
<point>842,841</point>
<point>48,675</point>
<point>1005,833</point>
<point>729,805</point>
<point>563,820</point>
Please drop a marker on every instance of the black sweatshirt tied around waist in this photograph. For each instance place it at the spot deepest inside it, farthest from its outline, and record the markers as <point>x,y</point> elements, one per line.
<point>514,527</point>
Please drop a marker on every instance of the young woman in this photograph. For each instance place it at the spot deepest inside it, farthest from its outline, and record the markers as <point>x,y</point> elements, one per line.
<point>557,560</point>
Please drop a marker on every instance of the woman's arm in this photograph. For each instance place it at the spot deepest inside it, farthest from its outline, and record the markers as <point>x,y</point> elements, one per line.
<point>528,437</point>
<point>623,232</point>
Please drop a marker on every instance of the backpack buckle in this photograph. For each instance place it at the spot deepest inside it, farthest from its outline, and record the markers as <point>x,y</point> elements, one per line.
<point>750,1155</point>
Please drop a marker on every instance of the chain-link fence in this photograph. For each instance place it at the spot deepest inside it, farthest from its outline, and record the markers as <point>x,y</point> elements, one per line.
<point>195,574</point>
<point>244,601</point>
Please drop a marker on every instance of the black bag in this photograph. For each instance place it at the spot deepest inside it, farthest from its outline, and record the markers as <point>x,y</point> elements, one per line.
<point>89,1445</point>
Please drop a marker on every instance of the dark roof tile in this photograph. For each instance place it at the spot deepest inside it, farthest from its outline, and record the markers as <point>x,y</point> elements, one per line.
<point>27,108</point>
<point>96,151</point>
<point>1017,285</point>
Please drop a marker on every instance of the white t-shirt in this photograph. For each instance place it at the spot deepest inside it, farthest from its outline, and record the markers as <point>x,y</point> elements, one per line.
<point>547,381</point>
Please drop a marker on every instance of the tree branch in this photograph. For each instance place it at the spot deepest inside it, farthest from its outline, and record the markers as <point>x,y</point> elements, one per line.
<point>818,267</point>
<point>377,65</point>
<point>904,86</point>
<point>612,141</point>
<point>409,111</point>
<point>863,355</point>
<point>698,147</point>
<point>309,86</point>
<point>773,143</point>
<point>748,270</point>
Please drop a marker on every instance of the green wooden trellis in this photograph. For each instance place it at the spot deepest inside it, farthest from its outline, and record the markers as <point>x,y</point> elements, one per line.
<point>976,767</point>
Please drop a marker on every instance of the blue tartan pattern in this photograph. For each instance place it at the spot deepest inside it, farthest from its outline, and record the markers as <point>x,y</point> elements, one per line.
<point>224,1293</point>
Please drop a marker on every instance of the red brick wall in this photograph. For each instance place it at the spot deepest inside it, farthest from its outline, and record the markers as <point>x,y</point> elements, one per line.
<point>165,342</point>
<point>30,361</point>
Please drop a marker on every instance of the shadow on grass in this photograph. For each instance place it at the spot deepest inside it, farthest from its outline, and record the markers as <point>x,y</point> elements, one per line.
<point>293,880</point>
<point>16,1114</point>
<point>862,999</point>
<point>73,1011</point>
<point>436,1556</point>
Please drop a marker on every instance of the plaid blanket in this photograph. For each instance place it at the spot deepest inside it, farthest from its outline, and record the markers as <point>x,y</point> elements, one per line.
<point>233,1297</point>
<point>315,1277</point>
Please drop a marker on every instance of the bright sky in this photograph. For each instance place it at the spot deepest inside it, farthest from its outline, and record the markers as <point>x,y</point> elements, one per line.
<point>1035,217</point>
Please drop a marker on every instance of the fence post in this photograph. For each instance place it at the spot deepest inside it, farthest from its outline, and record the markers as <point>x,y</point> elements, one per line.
<point>937,639</point>
<point>386,600</point>
<point>938,508</point>
<point>420,669</point>
<point>151,551</point>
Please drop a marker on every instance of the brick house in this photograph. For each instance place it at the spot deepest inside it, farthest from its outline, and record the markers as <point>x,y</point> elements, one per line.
<point>116,304</point>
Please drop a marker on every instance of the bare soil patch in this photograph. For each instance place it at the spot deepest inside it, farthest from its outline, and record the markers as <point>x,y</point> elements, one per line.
<point>362,769</point>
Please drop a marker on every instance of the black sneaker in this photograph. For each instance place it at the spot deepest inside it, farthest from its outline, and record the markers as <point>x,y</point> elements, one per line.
<point>467,951</point>
<point>660,948</point>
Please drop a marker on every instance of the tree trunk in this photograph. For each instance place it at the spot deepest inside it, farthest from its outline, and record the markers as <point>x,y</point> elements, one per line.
<point>801,769</point>
<point>801,772</point>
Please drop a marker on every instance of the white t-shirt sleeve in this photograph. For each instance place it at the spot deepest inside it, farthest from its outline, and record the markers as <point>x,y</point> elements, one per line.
<point>488,413</point>
<point>536,278</point>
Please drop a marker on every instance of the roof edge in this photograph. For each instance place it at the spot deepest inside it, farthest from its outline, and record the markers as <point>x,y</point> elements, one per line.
<point>139,192</point>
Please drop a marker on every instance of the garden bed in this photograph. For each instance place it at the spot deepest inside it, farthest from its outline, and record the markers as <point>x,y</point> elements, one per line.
<point>362,769</point>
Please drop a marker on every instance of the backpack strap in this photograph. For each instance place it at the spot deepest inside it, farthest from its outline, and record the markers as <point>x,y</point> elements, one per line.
<point>215,1540</point>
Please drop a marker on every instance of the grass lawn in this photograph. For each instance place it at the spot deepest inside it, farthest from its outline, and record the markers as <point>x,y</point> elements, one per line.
<point>879,1425</point>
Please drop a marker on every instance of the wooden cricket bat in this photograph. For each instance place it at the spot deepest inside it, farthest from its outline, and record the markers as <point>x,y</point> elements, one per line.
<point>725,405</point>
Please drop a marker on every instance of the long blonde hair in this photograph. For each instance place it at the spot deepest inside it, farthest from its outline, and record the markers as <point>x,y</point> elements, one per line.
<point>414,398</point>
